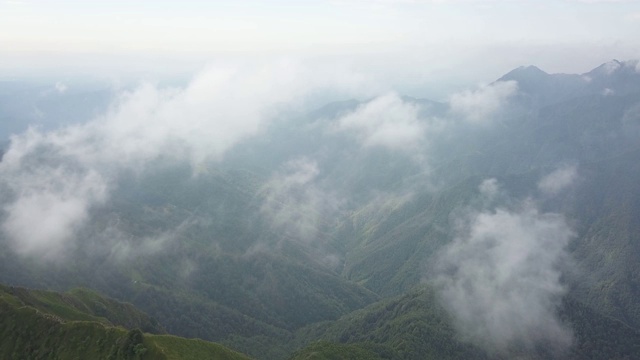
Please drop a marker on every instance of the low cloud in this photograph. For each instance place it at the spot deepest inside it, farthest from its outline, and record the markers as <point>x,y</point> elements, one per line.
<point>500,276</point>
<point>478,107</point>
<point>55,178</point>
<point>122,246</point>
<point>47,195</point>
<point>558,180</point>
<point>61,87</point>
<point>386,121</point>
<point>295,204</point>
<point>41,220</point>
<point>612,66</point>
<point>489,188</point>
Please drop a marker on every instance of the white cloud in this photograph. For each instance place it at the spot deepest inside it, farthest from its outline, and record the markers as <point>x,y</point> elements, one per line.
<point>294,203</point>
<point>611,66</point>
<point>50,199</point>
<point>55,178</point>
<point>122,246</point>
<point>489,188</point>
<point>479,106</point>
<point>558,180</point>
<point>386,121</point>
<point>500,278</point>
<point>61,87</point>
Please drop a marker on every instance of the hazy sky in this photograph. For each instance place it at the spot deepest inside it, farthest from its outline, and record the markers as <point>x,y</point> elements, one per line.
<point>403,39</point>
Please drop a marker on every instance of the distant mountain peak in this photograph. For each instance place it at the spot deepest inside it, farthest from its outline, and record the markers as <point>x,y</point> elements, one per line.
<point>531,69</point>
<point>615,66</point>
<point>611,66</point>
<point>524,72</point>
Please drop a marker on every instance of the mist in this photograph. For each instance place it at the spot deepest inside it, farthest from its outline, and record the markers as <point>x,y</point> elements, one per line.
<point>57,177</point>
<point>295,204</point>
<point>501,276</point>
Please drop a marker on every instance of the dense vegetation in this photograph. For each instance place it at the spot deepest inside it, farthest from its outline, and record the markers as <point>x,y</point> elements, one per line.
<point>323,350</point>
<point>49,325</point>
<point>414,326</point>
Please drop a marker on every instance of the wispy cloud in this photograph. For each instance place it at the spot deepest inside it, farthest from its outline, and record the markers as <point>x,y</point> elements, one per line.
<point>61,87</point>
<point>386,121</point>
<point>56,178</point>
<point>558,180</point>
<point>294,203</point>
<point>48,211</point>
<point>500,276</point>
<point>480,105</point>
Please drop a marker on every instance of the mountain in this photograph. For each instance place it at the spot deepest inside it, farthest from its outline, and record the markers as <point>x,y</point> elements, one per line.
<point>341,230</point>
<point>83,305</point>
<point>613,77</point>
<point>413,326</point>
<point>82,324</point>
<point>200,281</point>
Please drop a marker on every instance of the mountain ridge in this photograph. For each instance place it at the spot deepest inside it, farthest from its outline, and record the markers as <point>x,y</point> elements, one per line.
<point>309,222</point>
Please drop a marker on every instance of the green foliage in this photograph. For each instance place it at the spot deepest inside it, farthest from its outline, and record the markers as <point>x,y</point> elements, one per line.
<point>597,336</point>
<point>173,347</point>
<point>118,313</point>
<point>390,247</point>
<point>28,332</point>
<point>323,350</point>
<point>82,305</point>
<point>413,326</point>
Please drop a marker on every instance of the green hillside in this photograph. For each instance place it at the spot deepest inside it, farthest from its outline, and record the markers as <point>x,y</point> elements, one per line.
<point>48,325</point>
<point>323,350</point>
<point>415,326</point>
<point>82,305</point>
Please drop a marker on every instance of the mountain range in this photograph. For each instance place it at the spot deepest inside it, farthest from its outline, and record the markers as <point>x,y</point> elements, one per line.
<point>497,224</point>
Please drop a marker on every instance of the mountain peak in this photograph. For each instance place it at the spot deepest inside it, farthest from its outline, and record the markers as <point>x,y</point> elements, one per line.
<point>615,66</point>
<point>524,73</point>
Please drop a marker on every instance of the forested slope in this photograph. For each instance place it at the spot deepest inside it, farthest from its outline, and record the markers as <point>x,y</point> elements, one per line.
<point>82,324</point>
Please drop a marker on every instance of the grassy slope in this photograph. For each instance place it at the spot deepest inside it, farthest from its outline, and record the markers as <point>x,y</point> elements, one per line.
<point>323,350</point>
<point>83,305</point>
<point>173,347</point>
<point>414,326</point>
<point>52,327</point>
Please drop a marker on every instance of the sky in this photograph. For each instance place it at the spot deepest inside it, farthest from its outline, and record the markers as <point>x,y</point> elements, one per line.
<point>404,42</point>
